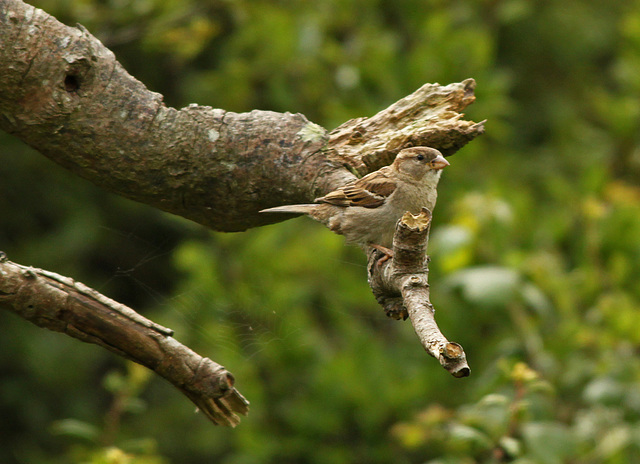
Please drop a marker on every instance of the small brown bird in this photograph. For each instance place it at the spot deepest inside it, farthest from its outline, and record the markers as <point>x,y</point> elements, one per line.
<point>366,211</point>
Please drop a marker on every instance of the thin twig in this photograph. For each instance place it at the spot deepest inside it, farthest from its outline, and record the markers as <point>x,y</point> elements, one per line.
<point>401,286</point>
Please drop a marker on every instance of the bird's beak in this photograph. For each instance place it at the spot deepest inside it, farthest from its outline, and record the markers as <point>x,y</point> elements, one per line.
<point>439,162</point>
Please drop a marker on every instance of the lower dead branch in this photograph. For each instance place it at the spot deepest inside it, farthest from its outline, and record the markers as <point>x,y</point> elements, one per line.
<point>401,286</point>
<point>61,304</point>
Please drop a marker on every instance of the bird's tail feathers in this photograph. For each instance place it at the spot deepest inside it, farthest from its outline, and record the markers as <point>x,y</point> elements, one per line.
<point>294,209</point>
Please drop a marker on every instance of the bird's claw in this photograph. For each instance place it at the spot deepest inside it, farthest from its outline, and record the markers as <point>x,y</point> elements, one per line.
<point>387,254</point>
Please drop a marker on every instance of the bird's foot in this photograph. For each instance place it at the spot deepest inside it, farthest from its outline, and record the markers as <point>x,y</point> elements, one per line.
<point>388,253</point>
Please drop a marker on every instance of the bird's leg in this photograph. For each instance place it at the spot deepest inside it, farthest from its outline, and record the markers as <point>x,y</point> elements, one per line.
<point>388,253</point>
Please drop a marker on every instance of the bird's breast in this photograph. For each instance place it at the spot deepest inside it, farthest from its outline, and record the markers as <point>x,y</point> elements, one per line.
<point>414,199</point>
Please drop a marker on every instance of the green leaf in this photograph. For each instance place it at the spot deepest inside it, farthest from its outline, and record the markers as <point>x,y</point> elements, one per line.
<point>511,446</point>
<point>468,440</point>
<point>548,442</point>
<point>76,429</point>
<point>486,285</point>
<point>604,390</point>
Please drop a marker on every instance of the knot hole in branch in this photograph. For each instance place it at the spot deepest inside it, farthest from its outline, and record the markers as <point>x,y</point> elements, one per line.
<point>71,83</point>
<point>79,72</point>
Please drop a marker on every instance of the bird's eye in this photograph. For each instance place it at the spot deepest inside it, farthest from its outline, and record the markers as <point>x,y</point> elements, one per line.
<point>420,157</point>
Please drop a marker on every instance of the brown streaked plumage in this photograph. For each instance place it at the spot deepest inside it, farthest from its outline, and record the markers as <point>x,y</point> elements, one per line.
<point>366,211</point>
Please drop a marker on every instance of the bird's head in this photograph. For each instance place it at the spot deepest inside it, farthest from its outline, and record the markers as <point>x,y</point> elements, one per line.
<point>415,162</point>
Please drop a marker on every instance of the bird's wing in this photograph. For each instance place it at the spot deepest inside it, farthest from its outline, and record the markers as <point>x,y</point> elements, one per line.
<point>369,192</point>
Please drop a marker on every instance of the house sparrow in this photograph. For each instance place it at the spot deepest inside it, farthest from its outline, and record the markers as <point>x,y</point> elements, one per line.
<point>366,211</point>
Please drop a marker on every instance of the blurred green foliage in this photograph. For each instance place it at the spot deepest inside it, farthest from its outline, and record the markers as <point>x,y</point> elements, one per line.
<point>535,247</point>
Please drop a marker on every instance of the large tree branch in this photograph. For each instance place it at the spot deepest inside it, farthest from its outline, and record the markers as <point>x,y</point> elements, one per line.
<point>63,305</point>
<point>65,94</point>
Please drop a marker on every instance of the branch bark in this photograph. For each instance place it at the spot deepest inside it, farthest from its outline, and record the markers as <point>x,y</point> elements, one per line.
<point>64,93</point>
<point>401,286</point>
<point>61,304</point>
